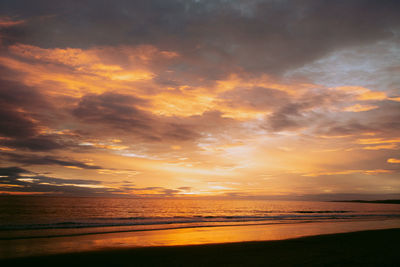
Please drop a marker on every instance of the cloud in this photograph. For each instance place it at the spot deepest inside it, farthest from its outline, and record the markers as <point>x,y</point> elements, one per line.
<point>12,171</point>
<point>16,102</point>
<point>16,179</point>
<point>380,147</point>
<point>39,143</point>
<point>374,141</point>
<point>254,98</point>
<point>205,87</point>
<point>185,188</point>
<point>6,22</point>
<point>33,159</point>
<point>362,93</point>
<point>360,108</point>
<point>300,112</point>
<point>383,121</point>
<point>156,191</point>
<point>259,36</point>
<point>113,108</point>
<point>393,160</point>
<point>24,115</point>
<point>120,113</point>
<point>8,26</point>
<point>346,172</point>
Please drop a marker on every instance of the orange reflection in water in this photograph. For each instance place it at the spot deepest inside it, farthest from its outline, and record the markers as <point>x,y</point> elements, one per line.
<point>225,234</point>
<point>186,236</point>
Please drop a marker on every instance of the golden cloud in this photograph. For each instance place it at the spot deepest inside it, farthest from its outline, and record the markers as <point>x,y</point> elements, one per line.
<point>362,93</point>
<point>393,160</point>
<point>360,108</point>
<point>345,172</point>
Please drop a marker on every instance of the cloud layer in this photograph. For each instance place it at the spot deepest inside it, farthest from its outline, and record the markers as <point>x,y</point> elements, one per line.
<point>173,98</point>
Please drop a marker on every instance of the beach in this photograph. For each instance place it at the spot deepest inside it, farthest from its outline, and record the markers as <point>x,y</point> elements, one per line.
<point>160,232</point>
<point>362,248</point>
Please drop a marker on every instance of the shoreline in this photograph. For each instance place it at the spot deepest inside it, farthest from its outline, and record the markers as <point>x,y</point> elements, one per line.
<point>359,248</point>
<point>42,246</point>
<point>132,229</point>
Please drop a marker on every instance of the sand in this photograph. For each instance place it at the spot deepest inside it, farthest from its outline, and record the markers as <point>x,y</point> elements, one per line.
<point>364,248</point>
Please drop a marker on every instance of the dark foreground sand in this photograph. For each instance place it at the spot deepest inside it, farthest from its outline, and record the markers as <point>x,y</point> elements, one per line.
<point>366,248</point>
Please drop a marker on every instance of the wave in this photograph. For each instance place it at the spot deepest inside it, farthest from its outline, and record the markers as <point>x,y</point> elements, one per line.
<point>148,221</point>
<point>322,211</point>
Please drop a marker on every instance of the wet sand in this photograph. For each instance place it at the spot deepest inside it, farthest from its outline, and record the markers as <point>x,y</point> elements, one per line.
<point>364,248</point>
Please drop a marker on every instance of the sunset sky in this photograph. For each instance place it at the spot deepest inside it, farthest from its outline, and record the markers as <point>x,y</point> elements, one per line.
<point>168,98</point>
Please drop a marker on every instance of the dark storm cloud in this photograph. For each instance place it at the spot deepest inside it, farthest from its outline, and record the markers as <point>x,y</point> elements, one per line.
<point>16,179</point>
<point>117,112</point>
<point>212,36</point>
<point>46,160</point>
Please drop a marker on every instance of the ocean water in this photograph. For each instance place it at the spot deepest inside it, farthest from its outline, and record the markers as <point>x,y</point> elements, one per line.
<point>37,225</point>
<point>33,215</point>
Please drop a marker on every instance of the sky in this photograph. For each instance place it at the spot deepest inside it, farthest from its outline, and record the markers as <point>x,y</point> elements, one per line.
<point>198,98</point>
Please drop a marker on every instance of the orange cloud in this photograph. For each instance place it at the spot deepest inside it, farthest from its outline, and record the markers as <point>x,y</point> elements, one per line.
<point>185,100</point>
<point>345,172</point>
<point>393,160</point>
<point>104,145</point>
<point>362,93</point>
<point>360,108</point>
<point>6,22</point>
<point>89,61</point>
<point>379,147</point>
<point>224,154</point>
<point>264,81</point>
<point>371,141</point>
<point>3,148</point>
<point>76,72</point>
<point>370,95</point>
<point>378,143</point>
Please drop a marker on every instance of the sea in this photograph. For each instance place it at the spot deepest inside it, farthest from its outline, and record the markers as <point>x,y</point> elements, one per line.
<point>31,225</point>
<point>40,213</point>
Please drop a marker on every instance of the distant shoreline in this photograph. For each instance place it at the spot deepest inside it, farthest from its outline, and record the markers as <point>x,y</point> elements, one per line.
<point>386,201</point>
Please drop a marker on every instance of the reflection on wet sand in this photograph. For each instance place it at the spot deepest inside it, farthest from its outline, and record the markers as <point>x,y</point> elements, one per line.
<point>186,236</point>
